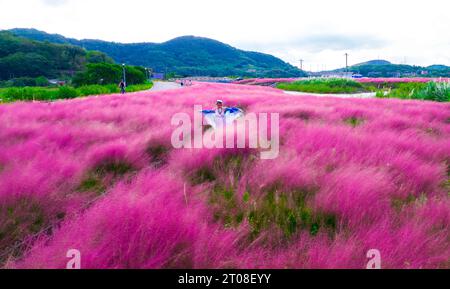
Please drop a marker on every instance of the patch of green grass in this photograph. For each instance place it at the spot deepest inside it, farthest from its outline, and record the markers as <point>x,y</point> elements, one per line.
<point>424,91</point>
<point>301,114</point>
<point>271,208</point>
<point>322,85</point>
<point>232,163</point>
<point>86,90</point>
<point>28,93</point>
<point>203,175</point>
<point>12,94</point>
<point>225,206</point>
<point>23,218</point>
<point>446,185</point>
<point>354,121</point>
<point>399,203</point>
<point>139,87</point>
<point>92,183</point>
<point>94,180</point>
<point>287,212</point>
<point>117,168</point>
<point>157,153</point>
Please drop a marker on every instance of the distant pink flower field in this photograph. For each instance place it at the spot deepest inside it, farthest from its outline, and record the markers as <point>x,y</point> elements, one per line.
<point>99,175</point>
<point>402,80</point>
<point>263,81</point>
<point>269,81</point>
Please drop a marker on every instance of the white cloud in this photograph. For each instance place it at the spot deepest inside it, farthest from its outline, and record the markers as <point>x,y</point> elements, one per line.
<point>319,31</point>
<point>55,2</point>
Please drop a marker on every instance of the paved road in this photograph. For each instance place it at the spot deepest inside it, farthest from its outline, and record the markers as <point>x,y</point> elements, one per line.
<point>165,85</point>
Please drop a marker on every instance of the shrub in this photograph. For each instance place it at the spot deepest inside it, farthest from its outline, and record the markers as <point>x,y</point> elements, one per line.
<point>435,91</point>
<point>67,92</point>
<point>139,87</point>
<point>30,93</point>
<point>41,81</point>
<point>86,90</point>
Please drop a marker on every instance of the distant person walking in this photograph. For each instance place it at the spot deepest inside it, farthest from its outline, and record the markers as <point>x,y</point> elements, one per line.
<point>122,87</point>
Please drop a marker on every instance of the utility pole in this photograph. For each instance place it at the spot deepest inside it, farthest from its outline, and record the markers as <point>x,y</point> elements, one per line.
<point>124,74</point>
<point>301,64</point>
<point>346,62</point>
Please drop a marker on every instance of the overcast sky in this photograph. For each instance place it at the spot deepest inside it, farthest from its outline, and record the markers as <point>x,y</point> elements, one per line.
<point>318,31</point>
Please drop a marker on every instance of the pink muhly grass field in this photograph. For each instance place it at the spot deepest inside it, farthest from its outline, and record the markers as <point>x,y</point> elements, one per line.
<point>402,80</point>
<point>271,81</point>
<point>265,81</point>
<point>100,175</point>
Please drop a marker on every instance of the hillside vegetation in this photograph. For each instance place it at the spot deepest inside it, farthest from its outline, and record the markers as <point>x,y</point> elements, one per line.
<point>27,65</point>
<point>25,58</point>
<point>383,68</point>
<point>184,56</point>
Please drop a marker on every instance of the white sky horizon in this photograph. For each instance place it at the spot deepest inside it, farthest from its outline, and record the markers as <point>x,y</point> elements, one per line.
<point>320,32</point>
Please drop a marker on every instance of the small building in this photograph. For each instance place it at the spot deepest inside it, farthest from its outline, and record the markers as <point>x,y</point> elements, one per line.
<point>158,75</point>
<point>57,82</point>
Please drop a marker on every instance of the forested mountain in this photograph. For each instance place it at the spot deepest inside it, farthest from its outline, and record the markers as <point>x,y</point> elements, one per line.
<point>185,56</point>
<point>22,57</point>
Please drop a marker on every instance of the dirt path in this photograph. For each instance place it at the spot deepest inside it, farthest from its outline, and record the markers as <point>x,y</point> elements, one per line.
<point>165,85</point>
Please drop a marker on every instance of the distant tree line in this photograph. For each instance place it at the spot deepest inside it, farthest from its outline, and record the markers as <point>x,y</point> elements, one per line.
<point>399,70</point>
<point>25,62</point>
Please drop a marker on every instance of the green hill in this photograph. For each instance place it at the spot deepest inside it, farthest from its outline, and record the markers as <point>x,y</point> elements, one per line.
<point>374,62</point>
<point>438,67</point>
<point>21,57</point>
<point>186,56</point>
<point>383,68</point>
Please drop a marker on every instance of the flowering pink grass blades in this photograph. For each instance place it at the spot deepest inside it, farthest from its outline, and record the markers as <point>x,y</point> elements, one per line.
<point>100,175</point>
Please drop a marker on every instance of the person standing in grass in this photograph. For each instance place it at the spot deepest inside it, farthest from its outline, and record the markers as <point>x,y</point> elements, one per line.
<point>122,86</point>
<point>222,115</point>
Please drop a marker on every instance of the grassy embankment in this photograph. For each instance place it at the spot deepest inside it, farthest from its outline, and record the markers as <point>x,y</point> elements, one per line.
<point>12,94</point>
<point>425,91</point>
<point>325,86</point>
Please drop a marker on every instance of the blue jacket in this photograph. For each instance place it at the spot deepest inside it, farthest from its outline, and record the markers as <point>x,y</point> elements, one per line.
<point>227,110</point>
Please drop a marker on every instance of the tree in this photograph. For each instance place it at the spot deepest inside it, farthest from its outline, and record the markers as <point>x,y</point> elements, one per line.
<point>106,73</point>
<point>98,73</point>
<point>98,57</point>
<point>135,75</point>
